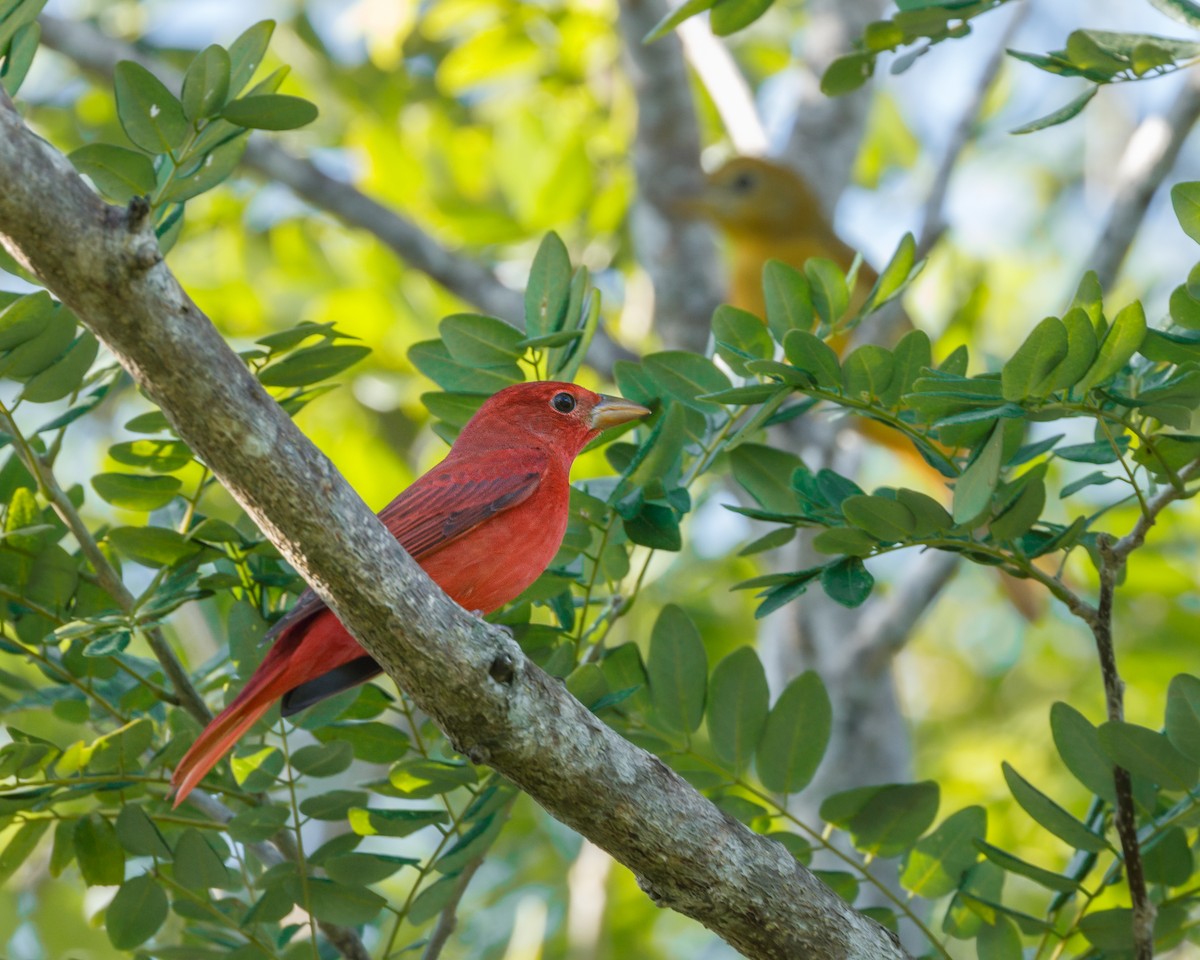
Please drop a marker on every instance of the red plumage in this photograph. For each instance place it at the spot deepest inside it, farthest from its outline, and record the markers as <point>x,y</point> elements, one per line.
<point>484,523</point>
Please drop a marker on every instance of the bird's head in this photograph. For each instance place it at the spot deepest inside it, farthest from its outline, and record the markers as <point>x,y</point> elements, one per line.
<point>751,196</point>
<point>562,416</point>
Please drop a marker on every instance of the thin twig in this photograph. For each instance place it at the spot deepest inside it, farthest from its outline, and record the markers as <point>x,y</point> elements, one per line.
<point>448,919</point>
<point>1148,158</point>
<point>933,225</point>
<point>1154,506</point>
<point>1124,814</point>
<point>678,252</point>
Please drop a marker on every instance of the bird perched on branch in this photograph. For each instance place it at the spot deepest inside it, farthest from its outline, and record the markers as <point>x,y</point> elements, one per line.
<point>768,212</point>
<point>484,523</point>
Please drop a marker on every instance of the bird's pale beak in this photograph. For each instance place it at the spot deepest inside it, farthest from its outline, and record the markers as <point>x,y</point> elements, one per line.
<point>612,411</point>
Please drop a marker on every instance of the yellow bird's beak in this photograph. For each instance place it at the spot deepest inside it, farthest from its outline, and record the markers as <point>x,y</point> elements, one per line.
<point>613,411</point>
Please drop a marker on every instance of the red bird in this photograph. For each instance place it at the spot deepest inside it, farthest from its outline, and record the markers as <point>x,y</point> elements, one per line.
<point>484,523</point>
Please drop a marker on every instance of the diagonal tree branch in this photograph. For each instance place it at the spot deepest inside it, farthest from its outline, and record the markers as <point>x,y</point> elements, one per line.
<point>678,252</point>
<point>474,681</point>
<point>1148,158</point>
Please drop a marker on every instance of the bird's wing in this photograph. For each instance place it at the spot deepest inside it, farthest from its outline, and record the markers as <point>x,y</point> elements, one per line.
<point>454,497</point>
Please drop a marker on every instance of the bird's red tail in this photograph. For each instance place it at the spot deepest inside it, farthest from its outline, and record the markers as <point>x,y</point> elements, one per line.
<point>274,678</point>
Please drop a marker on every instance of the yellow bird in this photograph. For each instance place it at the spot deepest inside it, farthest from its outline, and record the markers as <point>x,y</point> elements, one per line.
<point>767,211</point>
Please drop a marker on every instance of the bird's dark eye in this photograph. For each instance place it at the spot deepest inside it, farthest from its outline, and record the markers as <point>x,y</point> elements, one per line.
<point>563,402</point>
<point>743,182</point>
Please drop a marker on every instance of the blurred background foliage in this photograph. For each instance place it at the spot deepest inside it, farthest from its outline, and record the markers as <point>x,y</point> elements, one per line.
<point>487,123</point>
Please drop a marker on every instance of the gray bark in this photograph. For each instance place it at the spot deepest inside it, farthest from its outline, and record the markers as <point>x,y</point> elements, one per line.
<point>493,704</point>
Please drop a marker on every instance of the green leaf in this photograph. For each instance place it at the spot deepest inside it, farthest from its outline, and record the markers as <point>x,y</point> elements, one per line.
<point>206,83</point>
<point>41,350</point>
<point>136,912</point>
<point>868,372</point>
<point>1186,12</point>
<point>1022,512</point>
<point>152,546</point>
<point>847,581</point>
<point>1120,343</point>
<point>98,852</point>
<point>999,940</point>
<point>258,824</point>
<point>66,374</point>
<point>432,899</point>
<point>788,299</point>
<point>1183,715</point>
<point>1167,858</point>
<point>333,804</point>
<point>827,283</point>
<point>795,736</point>
<point>134,492</point>
<point>1050,815</point>
<point>883,518</point>
<point>1096,478</point>
<point>1061,115</point>
<point>1149,754</point>
<point>1185,198</point>
<point>740,336</point>
<point>20,845</point>
<point>936,865</point>
<point>1082,347</point>
<point>207,172</point>
<point>814,356</point>
<point>674,18</point>
<point>25,318</point>
<point>912,355</point>
<point>118,172</point>
<point>197,864</point>
<point>333,902</point>
<point>356,869</point>
<point>139,835</point>
<point>1078,744</point>
<point>21,51</point>
<point>655,526</point>
<point>929,516</point>
<point>847,73</point>
<point>845,540</point>
<point>548,291</point>
<point>271,111</point>
<point>973,489</point>
<point>686,376</point>
<point>737,707</point>
<point>393,823</point>
<point>1030,372</point>
<point>730,16</point>
<point>372,741</point>
<point>433,359</point>
<point>150,114</point>
<point>159,456</point>
<point>885,820</point>
<point>1046,878</point>
<point>677,670</point>
<point>765,473</point>
<point>323,759</point>
<point>246,54</point>
<point>312,364</point>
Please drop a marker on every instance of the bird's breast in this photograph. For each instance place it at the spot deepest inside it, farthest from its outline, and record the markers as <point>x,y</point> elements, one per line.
<point>495,561</point>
